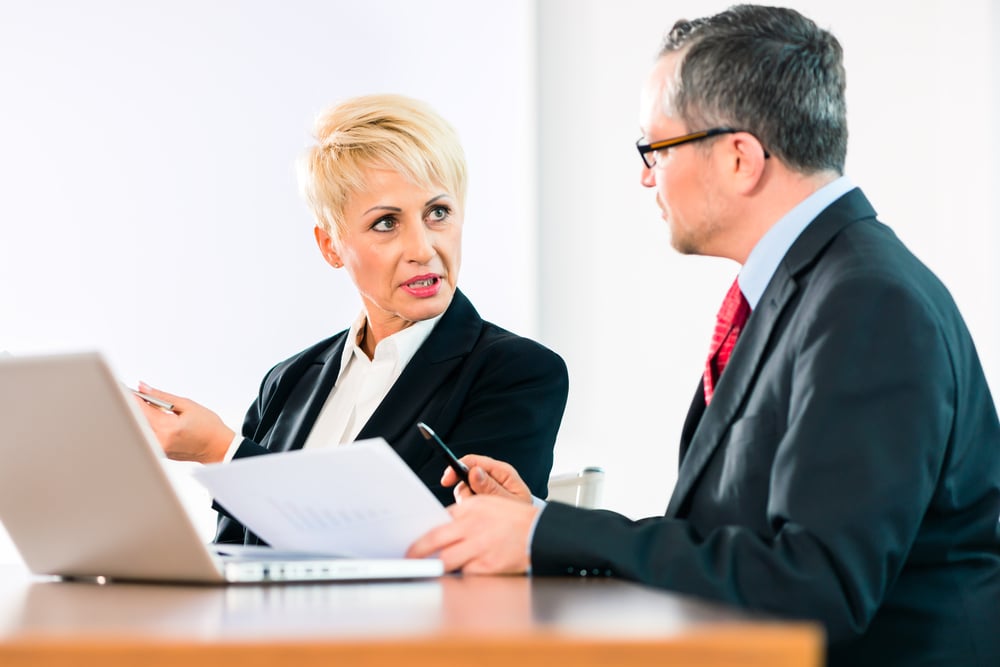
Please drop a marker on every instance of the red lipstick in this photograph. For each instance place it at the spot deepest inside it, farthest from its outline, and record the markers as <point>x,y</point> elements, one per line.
<point>423,286</point>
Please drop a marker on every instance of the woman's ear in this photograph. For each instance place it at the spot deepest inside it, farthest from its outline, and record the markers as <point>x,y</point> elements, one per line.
<point>326,246</point>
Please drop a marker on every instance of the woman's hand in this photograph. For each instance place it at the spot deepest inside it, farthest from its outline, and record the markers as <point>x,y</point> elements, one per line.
<point>190,432</point>
<point>488,477</point>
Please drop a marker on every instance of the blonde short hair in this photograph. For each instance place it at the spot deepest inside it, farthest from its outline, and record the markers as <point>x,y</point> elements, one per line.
<point>377,131</point>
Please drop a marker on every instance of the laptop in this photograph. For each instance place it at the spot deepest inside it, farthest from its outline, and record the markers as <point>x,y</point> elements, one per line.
<point>84,493</point>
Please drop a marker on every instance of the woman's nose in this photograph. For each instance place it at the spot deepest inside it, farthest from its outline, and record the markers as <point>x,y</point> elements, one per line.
<point>419,244</point>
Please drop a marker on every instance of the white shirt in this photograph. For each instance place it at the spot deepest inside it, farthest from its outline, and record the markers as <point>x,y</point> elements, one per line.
<point>361,384</point>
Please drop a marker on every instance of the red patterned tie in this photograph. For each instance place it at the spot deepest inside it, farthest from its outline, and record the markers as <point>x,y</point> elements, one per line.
<point>728,324</point>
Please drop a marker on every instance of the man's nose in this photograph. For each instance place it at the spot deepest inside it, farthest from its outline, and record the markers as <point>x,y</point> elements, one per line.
<point>646,177</point>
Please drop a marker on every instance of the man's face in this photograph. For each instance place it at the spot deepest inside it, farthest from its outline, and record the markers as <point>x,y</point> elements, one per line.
<point>682,176</point>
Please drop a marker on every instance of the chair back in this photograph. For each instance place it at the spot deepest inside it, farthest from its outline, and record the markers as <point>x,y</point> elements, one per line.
<point>582,489</point>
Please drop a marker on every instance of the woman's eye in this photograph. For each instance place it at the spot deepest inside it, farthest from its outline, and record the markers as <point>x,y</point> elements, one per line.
<point>439,213</point>
<point>384,225</point>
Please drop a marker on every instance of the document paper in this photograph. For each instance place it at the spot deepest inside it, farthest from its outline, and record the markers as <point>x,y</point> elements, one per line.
<point>357,500</point>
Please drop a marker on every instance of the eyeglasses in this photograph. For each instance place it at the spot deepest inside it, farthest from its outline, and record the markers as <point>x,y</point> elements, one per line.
<point>648,151</point>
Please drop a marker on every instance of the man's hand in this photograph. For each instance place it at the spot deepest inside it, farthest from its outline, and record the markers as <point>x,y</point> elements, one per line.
<point>191,432</point>
<point>488,535</point>
<point>488,477</point>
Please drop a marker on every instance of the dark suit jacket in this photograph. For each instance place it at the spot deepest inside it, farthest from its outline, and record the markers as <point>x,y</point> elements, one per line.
<point>484,390</point>
<point>847,469</point>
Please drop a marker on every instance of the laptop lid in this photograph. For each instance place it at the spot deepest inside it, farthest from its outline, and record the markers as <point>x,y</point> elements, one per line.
<point>83,492</point>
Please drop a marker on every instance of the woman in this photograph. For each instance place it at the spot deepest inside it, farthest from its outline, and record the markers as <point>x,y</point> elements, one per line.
<point>386,183</point>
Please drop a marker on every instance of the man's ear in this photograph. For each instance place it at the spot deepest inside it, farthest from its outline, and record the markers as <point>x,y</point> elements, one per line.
<point>327,247</point>
<point>748,160</point>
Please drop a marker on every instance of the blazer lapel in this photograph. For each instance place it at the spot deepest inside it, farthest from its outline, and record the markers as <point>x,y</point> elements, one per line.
<point>447,346</point>
<point>298,414</point>
<point>733,386</point>
<point>692,420</point>
<point>737,381</point>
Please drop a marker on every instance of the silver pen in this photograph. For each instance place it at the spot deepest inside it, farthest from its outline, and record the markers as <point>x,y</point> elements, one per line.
<point>152,400</point>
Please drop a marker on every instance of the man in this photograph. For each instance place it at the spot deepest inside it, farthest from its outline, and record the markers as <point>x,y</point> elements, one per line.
<point>841,461</point>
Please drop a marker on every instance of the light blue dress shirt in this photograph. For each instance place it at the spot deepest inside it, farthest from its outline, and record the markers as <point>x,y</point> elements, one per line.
<point>765,257</point>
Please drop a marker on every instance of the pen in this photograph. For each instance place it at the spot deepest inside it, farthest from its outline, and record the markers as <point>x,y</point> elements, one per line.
<point>460,468</point>
<point>152,400</point>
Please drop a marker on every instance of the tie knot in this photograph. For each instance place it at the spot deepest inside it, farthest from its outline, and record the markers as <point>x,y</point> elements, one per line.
<point>735,308</point>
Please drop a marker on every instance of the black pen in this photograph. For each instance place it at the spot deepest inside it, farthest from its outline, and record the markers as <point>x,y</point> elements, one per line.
<point>460,468</point>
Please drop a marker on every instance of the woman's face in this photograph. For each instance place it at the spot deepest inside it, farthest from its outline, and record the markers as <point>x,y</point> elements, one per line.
<point>402,247</point>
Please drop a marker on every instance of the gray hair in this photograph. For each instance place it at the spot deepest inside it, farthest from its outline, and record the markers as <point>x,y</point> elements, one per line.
<point>769,71</point>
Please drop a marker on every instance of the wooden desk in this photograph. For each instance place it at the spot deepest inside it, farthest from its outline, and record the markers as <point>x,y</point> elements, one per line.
<point>469,621</point>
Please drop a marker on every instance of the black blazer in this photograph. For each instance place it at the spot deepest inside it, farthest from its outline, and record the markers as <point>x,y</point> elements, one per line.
<point>847,469</point>
<point>484,390</point>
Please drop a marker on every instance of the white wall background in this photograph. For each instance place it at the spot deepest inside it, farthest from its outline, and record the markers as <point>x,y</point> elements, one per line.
<point>148,205</point>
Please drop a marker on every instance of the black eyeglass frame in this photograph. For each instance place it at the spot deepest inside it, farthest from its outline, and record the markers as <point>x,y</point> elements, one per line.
<point>645,149</point>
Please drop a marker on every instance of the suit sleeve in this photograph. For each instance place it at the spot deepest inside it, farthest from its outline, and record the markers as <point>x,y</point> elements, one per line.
<point>252,419</point>
<point>869,412</point>
<point>511,412</point>
<point>228,529</point>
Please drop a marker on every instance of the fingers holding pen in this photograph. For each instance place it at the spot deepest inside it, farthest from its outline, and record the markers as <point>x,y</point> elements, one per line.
<point>159,407</point>
<point>187,431</point>
<point>487,476</point>
<point>175,403</point>
<point>480,483</point>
